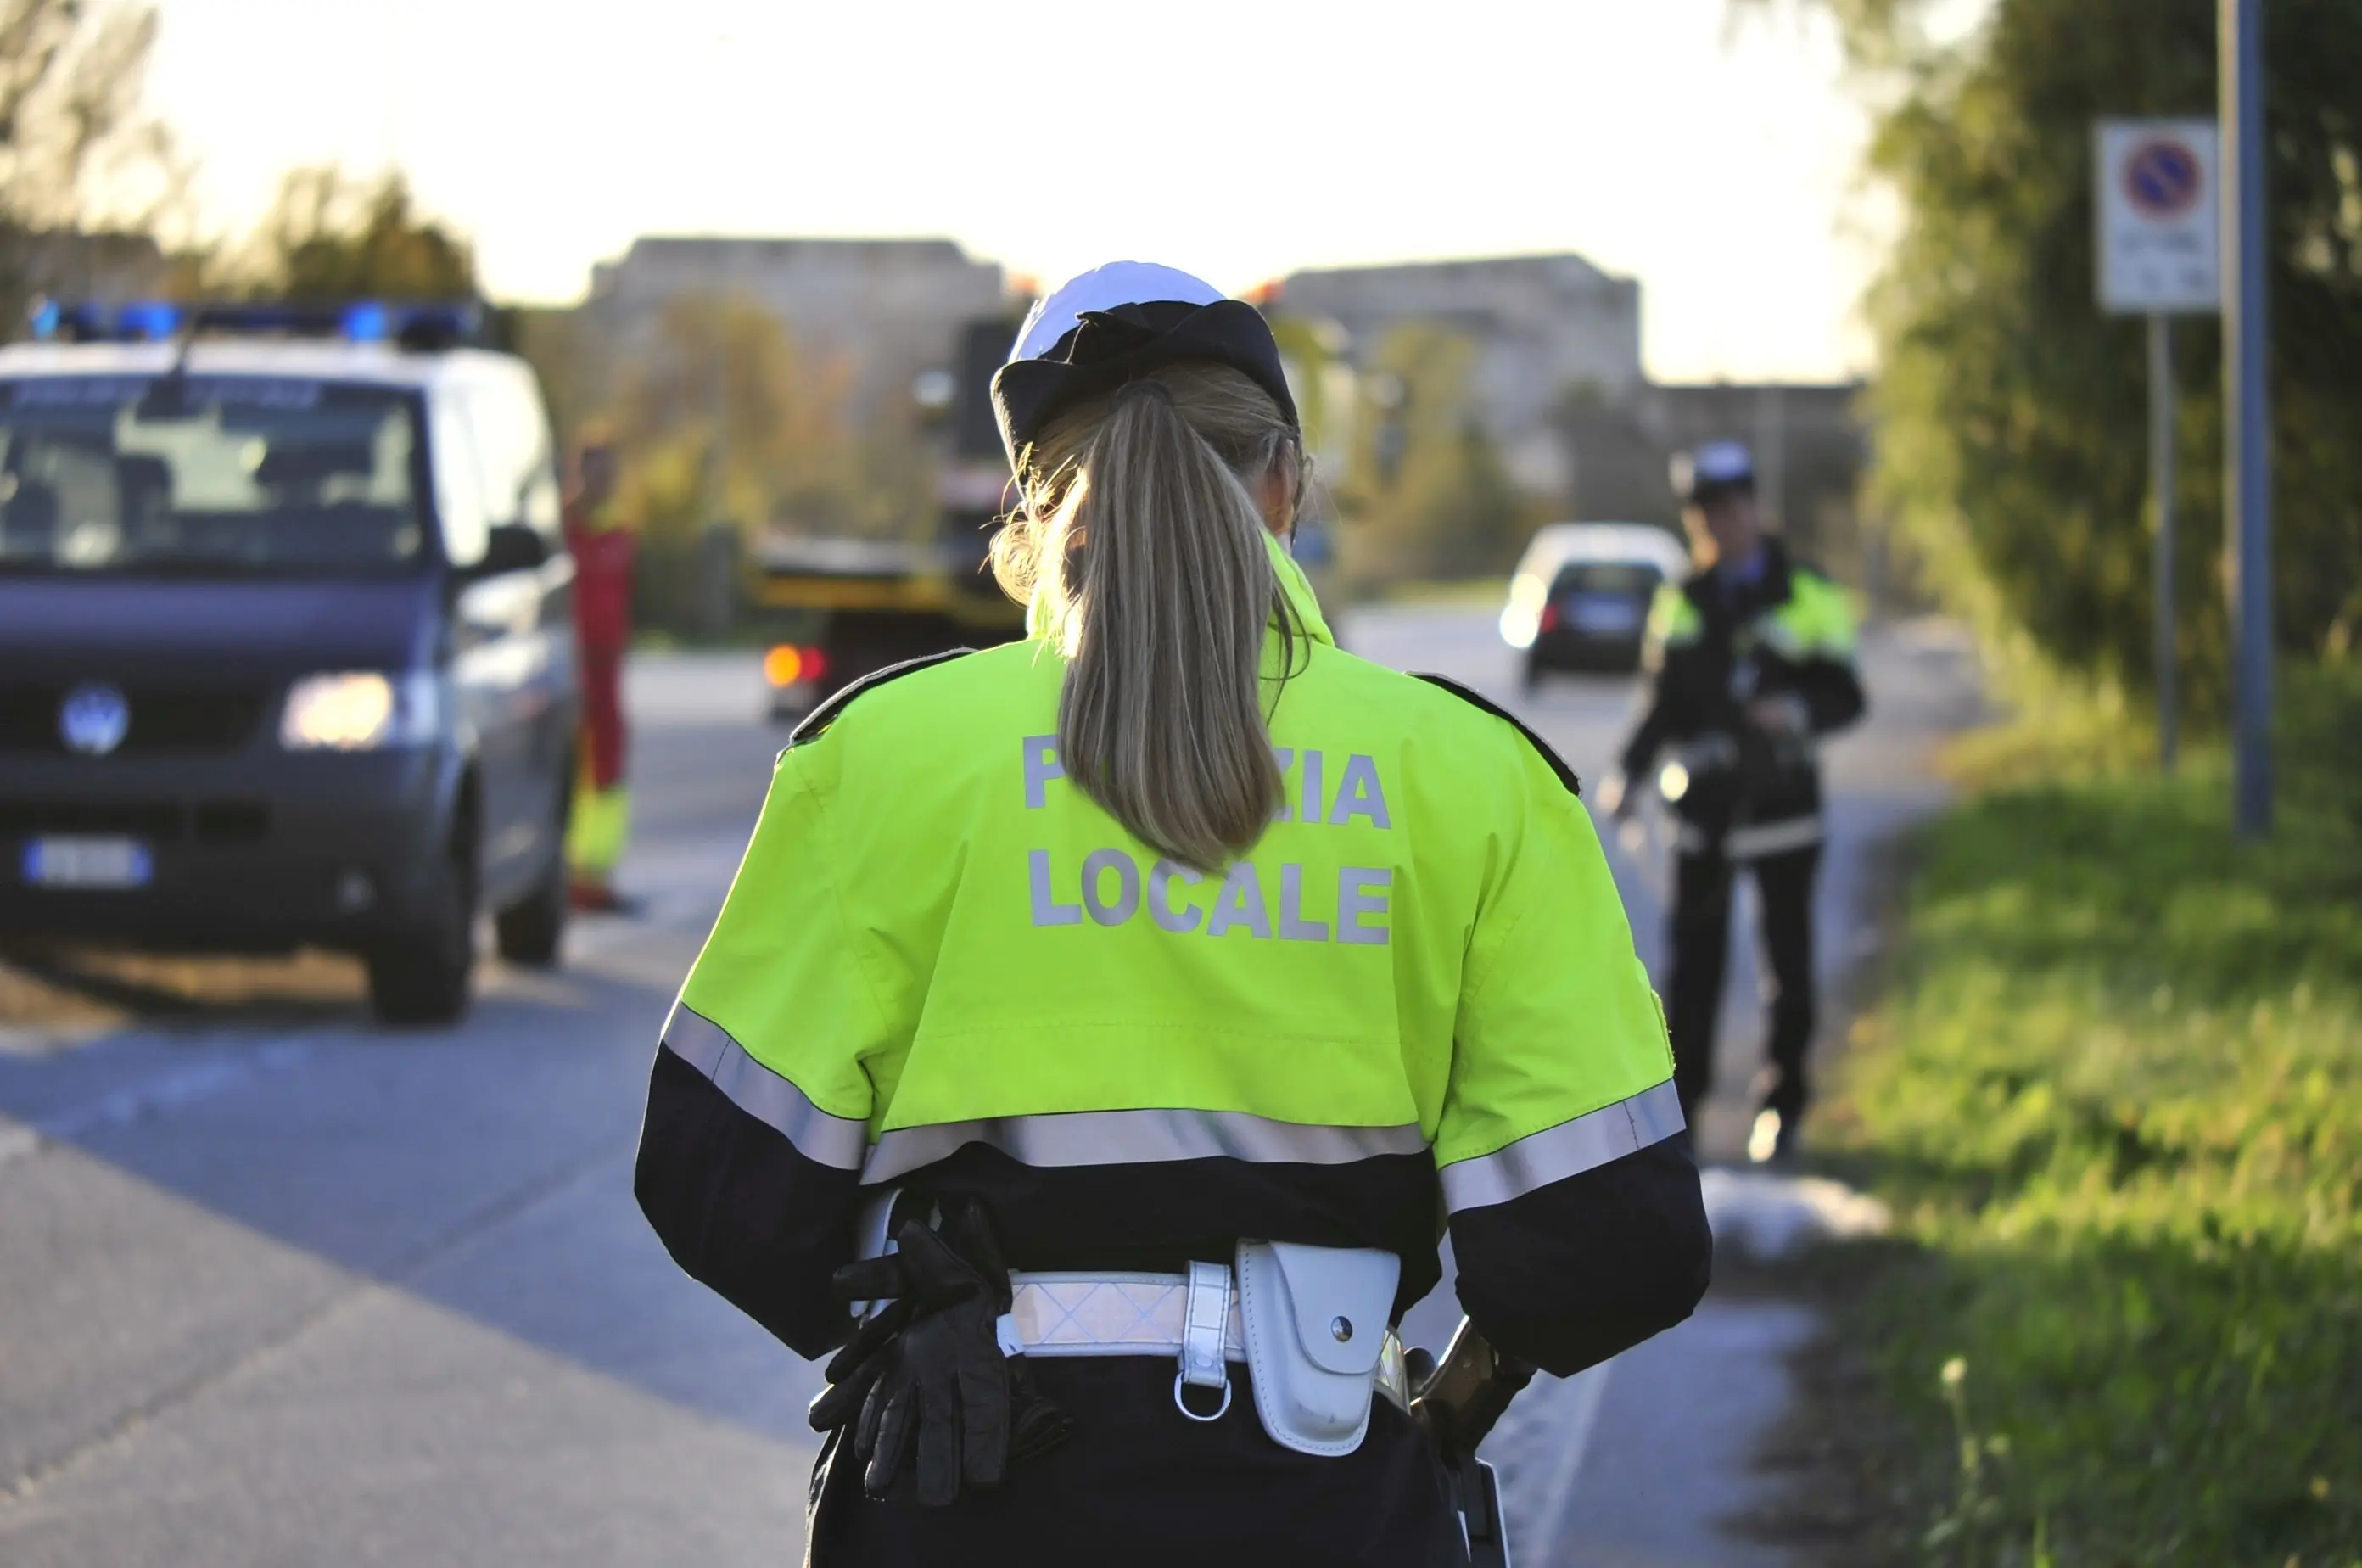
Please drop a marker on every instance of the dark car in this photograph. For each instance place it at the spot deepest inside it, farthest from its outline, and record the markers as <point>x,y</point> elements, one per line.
<point>1579,598</point>
<point>285,654</point>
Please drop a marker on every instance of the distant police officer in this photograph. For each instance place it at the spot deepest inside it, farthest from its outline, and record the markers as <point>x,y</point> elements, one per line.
<point>1112,1020</point>
<point>1753,661</point>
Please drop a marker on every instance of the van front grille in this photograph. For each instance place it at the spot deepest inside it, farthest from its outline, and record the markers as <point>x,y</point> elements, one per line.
<point>156,821</point>
<point>165,719</point>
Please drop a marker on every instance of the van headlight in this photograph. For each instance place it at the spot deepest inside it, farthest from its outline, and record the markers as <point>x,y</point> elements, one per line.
<point>358,710</point>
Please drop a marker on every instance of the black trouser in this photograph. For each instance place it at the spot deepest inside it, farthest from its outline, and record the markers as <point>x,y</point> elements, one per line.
<point>1701,947</point>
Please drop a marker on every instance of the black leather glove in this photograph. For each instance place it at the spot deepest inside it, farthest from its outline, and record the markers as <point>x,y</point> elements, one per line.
<point>929,1370</point>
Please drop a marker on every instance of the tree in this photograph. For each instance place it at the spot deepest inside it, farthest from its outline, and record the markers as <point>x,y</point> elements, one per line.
<point>2009,412</point>
<point>334,236</point>
<point>1322,380</point>
<point>76,154</point>
<point>720,417</point>
<point>569,357</point>
<point>722,379</point>
<point>1427,493</point>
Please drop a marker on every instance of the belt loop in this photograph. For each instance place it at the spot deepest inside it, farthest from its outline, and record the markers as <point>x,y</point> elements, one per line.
<point>1203,1365</point>
<point>1203,1326</point>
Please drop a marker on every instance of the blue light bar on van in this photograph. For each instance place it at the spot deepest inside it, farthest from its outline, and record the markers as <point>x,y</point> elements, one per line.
<point>411,324</point>
<point>367,322</point>
<point>151,320</point>
<point>147,321</point>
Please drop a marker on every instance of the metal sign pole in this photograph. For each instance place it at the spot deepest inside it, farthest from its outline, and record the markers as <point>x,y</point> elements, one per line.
<point>2248,427</point>
<point>2155,205</point>
<point>2162,405</point>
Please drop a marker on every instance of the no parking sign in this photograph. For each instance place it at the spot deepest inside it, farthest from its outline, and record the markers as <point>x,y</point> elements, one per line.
<point>2159,232</point>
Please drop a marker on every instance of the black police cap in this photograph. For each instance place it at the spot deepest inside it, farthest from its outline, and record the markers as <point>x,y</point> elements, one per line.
<point>1114,324</point>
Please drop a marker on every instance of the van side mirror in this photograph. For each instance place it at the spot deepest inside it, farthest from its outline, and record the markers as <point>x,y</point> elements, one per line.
<point>512,546</point>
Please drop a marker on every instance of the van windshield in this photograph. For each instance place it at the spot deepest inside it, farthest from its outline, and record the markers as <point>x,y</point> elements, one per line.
<point>215,475</point>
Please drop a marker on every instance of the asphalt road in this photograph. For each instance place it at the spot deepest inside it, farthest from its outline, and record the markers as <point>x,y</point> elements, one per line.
<point>278,1288</point>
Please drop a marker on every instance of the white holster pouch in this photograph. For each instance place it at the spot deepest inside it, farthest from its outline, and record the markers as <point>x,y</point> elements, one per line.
<point>1315,1322</point>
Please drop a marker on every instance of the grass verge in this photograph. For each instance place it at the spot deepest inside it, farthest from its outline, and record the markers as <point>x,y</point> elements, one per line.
<point>2114,1092</point>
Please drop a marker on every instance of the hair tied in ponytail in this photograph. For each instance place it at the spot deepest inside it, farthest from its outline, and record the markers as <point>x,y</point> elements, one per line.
<point>1143,545</point>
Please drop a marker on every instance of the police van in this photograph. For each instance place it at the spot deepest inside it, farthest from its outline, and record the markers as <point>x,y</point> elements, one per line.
<point>286,654</point>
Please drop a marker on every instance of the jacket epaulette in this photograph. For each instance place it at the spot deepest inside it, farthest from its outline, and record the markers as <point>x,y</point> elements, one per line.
<point>815,724</point>
<point>1556,763</point>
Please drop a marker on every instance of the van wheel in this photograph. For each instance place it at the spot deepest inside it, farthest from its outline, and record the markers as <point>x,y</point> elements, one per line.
<point>424,976</point>
<point>528,932</point>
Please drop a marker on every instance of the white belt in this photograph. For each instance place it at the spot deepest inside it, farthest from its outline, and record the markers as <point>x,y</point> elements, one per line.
<point>1194,1316</point>
<point>1113,1314</point>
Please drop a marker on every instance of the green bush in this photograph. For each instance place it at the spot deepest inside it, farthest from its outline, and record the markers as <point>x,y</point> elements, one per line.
<point>2115,1096</point>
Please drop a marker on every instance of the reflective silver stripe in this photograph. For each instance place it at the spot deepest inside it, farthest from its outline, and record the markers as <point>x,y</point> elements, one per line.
<point>1139,1137</point>
<point>1751,842</point>
<point>1568,1149</point>
<point>763,1094</point>
<point>1771,838</point>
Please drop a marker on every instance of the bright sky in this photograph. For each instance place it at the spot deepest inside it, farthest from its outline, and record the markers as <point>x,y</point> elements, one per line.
<point>1713,160</point>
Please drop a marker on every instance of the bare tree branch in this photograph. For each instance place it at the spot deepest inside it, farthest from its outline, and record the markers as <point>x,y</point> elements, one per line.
<point>77,155</point>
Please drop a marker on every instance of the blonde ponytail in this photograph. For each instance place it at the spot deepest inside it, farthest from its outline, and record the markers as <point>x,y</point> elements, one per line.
<point>1141,540</point>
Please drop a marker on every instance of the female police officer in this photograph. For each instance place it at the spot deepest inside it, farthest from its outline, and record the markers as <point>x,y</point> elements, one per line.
<point>1197,972</point>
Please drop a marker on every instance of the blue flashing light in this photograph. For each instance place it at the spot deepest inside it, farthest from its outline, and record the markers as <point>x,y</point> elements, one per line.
<point>150,320</point>
<point>46,318</point>
<point>368,322</point>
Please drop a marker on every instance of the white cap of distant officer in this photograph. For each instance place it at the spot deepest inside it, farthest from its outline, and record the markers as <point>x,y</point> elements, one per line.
<point>1716,486</point>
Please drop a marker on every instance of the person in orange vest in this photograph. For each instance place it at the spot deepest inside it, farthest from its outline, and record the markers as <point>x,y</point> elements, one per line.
<point>602,547</point>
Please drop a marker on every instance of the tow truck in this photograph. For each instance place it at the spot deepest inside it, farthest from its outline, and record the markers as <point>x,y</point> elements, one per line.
<point>848,608</point>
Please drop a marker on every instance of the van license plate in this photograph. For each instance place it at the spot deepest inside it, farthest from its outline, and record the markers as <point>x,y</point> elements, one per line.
<point>88,863</point>
<point>1604,615</point>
